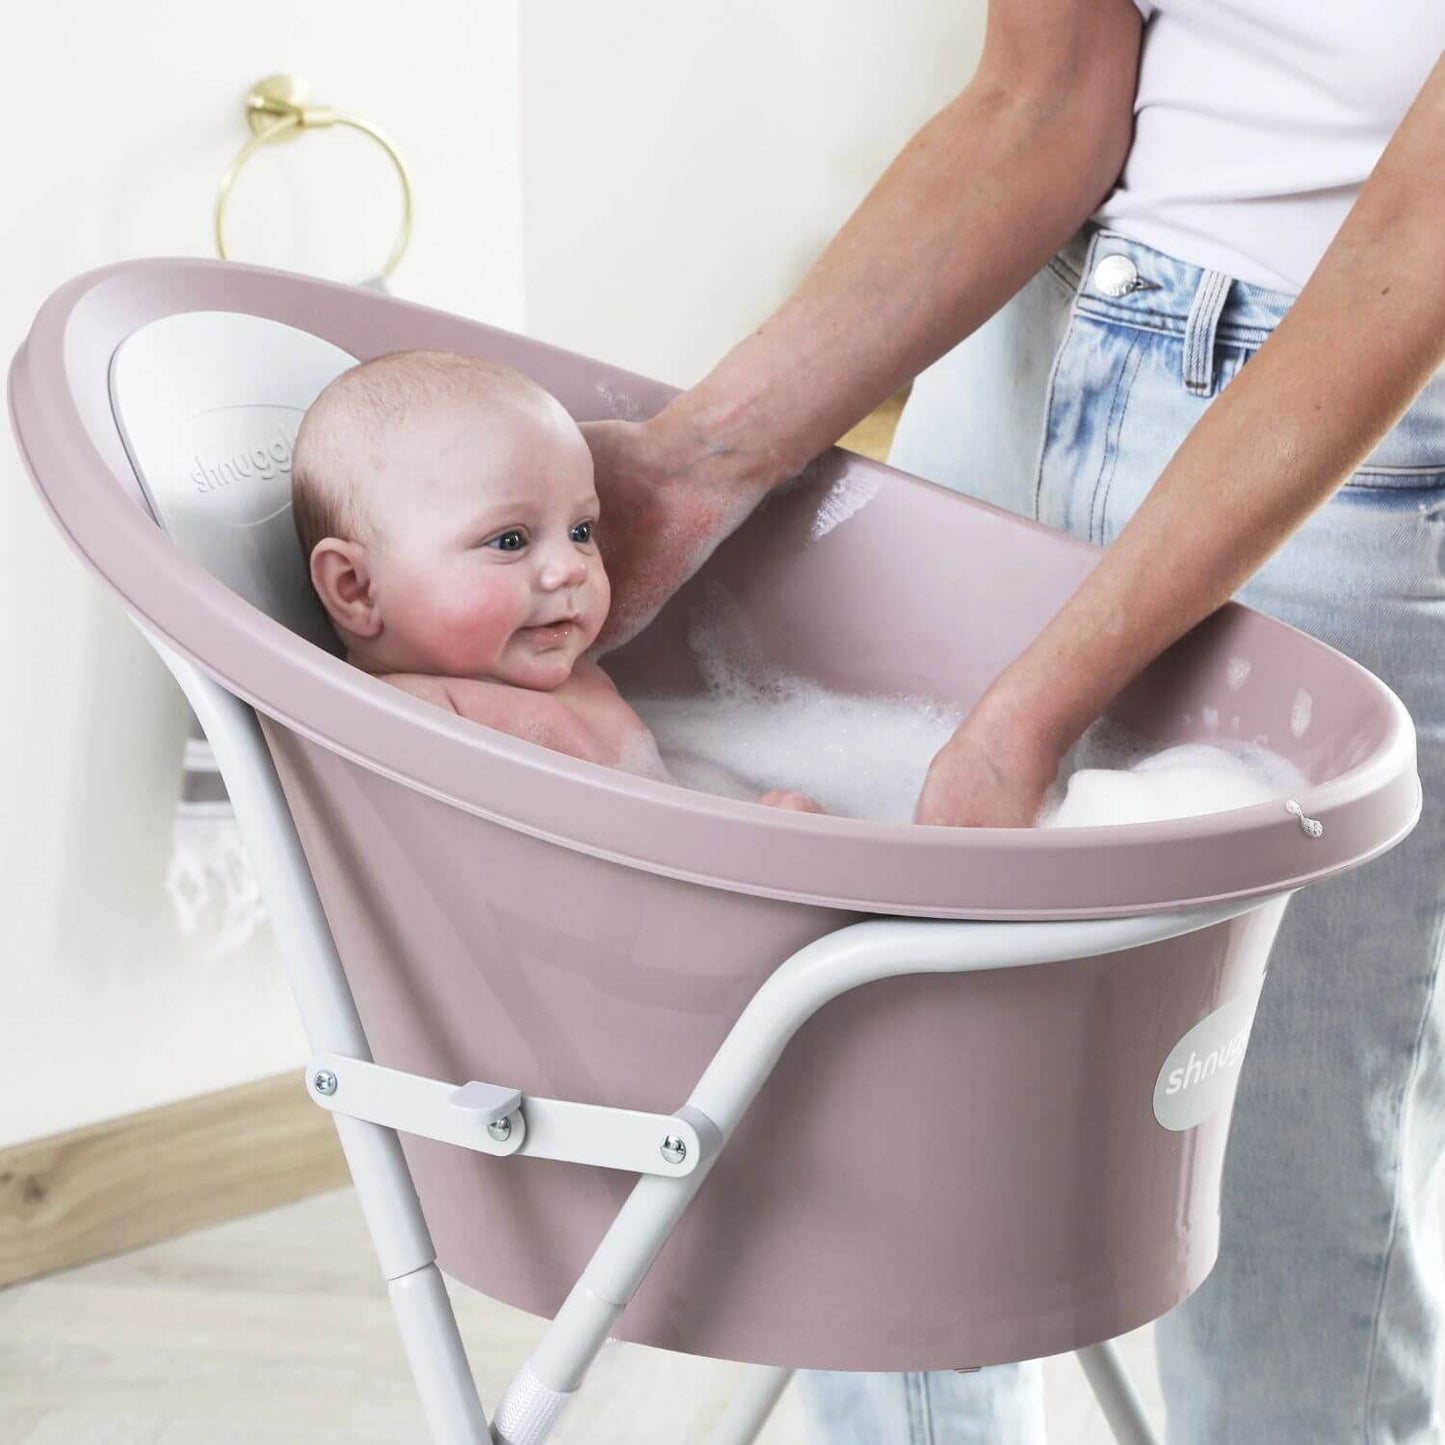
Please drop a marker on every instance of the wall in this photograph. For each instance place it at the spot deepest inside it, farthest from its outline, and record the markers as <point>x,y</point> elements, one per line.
<point>650,178</point>
<point>133,114</point>
<point>683,165</point>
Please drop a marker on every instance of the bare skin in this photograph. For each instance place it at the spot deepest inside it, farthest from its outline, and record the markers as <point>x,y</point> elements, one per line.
<point>481,587</point>
<point>973,206</point>
<point>585,716</point>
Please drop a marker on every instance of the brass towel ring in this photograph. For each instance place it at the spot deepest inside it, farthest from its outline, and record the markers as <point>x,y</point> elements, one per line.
<point>276,110</point>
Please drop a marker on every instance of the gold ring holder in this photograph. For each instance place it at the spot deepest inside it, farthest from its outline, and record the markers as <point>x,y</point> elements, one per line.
<point>277,110</point>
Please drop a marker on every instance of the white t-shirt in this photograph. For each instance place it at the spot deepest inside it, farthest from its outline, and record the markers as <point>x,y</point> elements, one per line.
<point>1257,121</point>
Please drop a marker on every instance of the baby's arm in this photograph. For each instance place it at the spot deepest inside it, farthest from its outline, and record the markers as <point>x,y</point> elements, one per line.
<point>599,727</point>
<point>643,758</point>
<point>539,719</point>
<point>796,802</point>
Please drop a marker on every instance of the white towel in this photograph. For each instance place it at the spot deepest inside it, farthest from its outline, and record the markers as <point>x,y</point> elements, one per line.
<point>210,881</point>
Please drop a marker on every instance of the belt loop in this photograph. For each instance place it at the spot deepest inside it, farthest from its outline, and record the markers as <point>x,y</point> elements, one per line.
<point>1086,266</point>
<point>1200,329</point>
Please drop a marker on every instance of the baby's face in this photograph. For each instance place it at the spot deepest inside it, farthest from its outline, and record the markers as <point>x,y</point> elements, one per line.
<point>486,563</point>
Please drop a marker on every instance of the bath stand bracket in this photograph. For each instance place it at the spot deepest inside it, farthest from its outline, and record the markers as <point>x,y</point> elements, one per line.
<point>495,1119</point>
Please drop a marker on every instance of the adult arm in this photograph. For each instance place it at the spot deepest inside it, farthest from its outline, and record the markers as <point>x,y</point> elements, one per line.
<point>1364,336</point>
<point>975,203</point>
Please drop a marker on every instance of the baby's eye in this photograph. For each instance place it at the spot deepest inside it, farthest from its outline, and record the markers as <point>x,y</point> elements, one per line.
<point>512,541</point>
<point>582,532</point>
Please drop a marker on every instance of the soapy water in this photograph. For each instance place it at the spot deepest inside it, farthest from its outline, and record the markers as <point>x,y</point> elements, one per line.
<point>1112,775</point>
<point>754,728</point>
<point>859,757</point>
<point>847,497</point>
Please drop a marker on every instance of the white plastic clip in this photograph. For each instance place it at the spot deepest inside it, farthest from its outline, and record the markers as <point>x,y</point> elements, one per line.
<point>486,1103</point>
<point>1312,827</point>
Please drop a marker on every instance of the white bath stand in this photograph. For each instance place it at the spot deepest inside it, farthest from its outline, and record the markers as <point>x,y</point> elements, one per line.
<point>673,1153</point>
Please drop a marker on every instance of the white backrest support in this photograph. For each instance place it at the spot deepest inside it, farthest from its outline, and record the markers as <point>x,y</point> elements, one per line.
<point>208,404</point>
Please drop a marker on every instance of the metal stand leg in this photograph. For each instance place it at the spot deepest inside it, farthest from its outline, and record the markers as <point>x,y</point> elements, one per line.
<point>1116,1395</point>
<point>750,1407</point>
<point>437,1357</point>
<point>378,1168</point>
<point>793,993</point>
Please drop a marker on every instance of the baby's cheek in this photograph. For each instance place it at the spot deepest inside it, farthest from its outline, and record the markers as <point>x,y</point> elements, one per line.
<point>463,633</point>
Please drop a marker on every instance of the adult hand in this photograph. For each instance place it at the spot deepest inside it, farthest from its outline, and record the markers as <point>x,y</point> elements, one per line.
<point>666,505</point>
<point>989,774</point>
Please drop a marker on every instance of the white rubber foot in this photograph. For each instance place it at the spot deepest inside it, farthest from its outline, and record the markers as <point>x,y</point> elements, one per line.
<point>528,1410</point>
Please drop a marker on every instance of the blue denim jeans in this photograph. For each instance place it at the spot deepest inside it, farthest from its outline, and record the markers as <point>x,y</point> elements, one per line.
<point>1320,1324</point>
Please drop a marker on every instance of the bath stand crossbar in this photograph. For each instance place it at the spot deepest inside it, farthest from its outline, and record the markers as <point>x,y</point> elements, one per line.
<point>370,1103</point>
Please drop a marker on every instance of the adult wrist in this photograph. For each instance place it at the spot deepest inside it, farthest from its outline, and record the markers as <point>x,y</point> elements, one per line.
<point>1023,715</point>
<point>725,442</point>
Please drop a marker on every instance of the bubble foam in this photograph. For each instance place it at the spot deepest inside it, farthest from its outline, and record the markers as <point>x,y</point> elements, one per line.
<point>756,727</point>
<point>1113,776</point>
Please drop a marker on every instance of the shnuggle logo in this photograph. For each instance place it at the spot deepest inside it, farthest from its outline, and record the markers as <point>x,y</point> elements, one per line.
<point>270,459</point>
<point>1199,1068</point>
<point>1198,1077</point>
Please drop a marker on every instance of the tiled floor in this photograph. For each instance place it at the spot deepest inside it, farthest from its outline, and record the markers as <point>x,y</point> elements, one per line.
<point>276,1328</point>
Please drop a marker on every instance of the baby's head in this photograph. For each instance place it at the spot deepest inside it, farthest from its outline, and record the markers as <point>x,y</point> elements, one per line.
<point>447,510</point>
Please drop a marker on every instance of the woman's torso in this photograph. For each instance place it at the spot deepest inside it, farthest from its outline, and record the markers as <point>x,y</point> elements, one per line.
<point>1257,121</point>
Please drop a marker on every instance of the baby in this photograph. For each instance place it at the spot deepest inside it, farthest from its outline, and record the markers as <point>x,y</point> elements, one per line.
<point>447,509</point>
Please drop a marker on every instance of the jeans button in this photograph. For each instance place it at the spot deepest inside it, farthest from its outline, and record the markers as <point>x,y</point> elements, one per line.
<point>1116,276</point>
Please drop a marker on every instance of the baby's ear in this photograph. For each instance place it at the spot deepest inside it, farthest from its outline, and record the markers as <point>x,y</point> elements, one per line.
<point>342,579</point>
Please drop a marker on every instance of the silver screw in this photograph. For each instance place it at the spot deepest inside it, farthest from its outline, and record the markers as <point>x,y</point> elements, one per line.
<point>673,1149</point>
<point>324,1081</point>
<point>500,1130</point>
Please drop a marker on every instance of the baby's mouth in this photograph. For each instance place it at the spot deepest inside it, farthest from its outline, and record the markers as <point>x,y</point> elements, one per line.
<point>551,631</point>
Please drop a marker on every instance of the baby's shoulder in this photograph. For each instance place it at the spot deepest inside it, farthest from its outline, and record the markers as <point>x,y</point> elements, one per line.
<point>510,709</point>
<point>538,717</point>
<point>425,685</point>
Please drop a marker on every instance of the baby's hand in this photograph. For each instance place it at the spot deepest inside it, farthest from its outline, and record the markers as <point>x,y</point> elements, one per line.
<point>798,802</point>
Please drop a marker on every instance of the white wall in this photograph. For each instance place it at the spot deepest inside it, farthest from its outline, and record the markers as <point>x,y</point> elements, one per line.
<point>667,172</point>
<point>123,120</point>
<point>683,165</point>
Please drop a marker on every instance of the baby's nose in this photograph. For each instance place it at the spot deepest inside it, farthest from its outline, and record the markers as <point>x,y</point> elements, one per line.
<point>565,570</point>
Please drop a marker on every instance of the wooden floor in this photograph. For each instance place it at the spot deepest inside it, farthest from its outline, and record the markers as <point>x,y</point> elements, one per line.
<point>276,1328</point>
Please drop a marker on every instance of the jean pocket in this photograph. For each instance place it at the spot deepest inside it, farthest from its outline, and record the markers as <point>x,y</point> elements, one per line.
<point>1423,482</point>
<point>1411,455</point>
